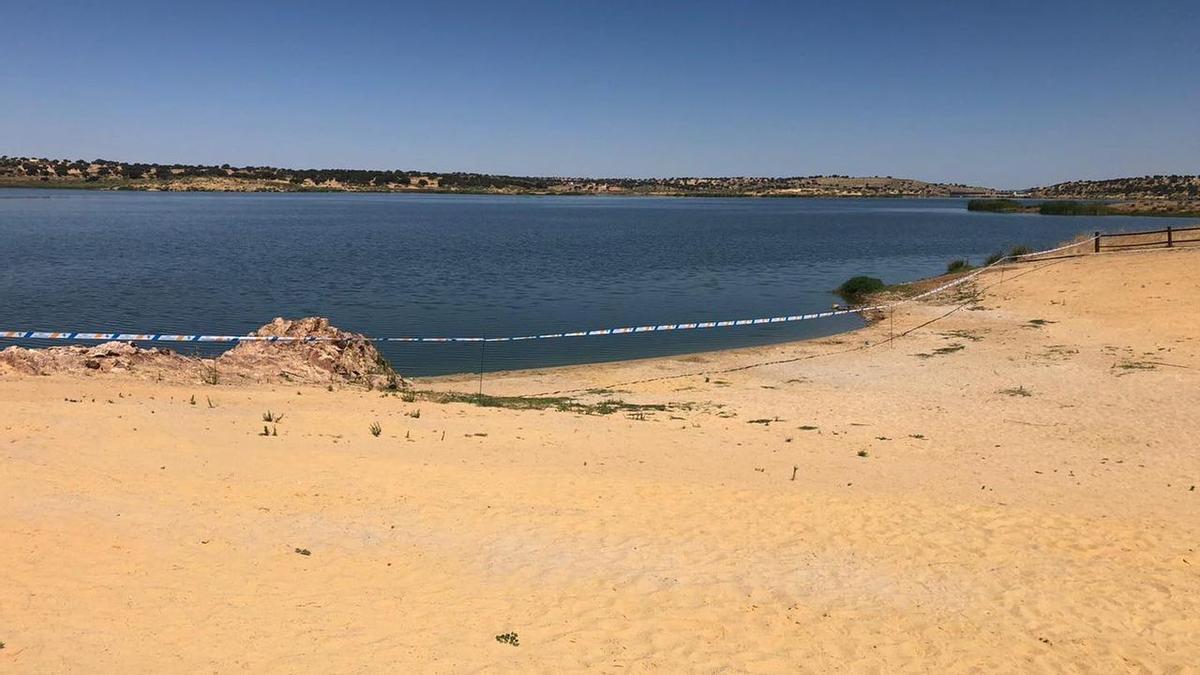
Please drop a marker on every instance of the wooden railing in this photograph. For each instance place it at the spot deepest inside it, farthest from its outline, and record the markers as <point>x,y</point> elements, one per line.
<point>1168,237</point>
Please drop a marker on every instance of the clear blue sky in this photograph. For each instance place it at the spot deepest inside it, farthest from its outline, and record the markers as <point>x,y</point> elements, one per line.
<point>1008,94</point>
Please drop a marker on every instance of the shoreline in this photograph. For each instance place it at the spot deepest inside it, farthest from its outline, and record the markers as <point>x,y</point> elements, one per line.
<point>990,482</point>
<point>895,293</point>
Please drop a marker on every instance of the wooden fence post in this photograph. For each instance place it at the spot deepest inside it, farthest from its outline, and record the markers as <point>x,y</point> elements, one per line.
<point>1170,241</point>
<point>1097,241</point>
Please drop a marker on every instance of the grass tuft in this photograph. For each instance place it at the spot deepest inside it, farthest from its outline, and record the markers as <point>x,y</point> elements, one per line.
<point>958,265</point>
<point>208,374</point>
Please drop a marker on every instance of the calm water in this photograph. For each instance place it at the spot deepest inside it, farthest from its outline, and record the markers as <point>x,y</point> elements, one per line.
<point>391,265</point>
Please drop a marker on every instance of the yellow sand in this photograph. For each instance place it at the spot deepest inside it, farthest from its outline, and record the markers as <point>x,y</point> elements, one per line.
<point>982,531</point>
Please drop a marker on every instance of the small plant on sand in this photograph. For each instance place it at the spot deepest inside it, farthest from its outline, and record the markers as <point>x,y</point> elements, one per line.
<point>415,414</point>
<point>1019,249</point>
<point>271,417</point>
<point>303,551</point>
<point>1016,391</point>
<point>958,265</point>
<point>193,400</point>
<point>993,259</point>
<point>208,374</point>
<point>408,396</point>
<point>272,431</point>
<point>376,429</point>
<point>863,453</point>
<point>509,639</point>
<point>949,349</point>
<point>964,334</point>
<point>393,382</point>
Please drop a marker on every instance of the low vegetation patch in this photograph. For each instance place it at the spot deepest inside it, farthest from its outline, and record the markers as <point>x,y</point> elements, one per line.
<point>1050,208</point>
<point>949,349</point>
<point>560,403</point>
<point>1016,391</point>
<point>997,205</point>
<point>1057,208</point>
<point>1128,365</point>
<point>209,375</point>
<point>941,351</point>
<point>962,334</point>
<point>858,288</point>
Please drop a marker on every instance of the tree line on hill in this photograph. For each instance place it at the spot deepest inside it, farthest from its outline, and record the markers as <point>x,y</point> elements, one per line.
<point>138,175</point>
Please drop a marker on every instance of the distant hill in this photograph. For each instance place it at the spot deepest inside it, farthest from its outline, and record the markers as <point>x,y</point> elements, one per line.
<point>1143,187</point>
<point>114,175</point>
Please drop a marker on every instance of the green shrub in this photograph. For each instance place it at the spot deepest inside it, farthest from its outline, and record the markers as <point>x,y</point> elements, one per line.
<point>993,259</point>
<point>856,288</point>
<point>1019,249</point>
<point>958,265</point>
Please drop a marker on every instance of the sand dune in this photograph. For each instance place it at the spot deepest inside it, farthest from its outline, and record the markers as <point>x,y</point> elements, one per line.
<point>1010,488</point>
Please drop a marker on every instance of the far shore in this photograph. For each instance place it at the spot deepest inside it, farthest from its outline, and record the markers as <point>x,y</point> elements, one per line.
<point>1169,208</point>
<point>137,186</point>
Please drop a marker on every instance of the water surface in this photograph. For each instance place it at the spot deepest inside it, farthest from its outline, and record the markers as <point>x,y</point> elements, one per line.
<point>437,265</point>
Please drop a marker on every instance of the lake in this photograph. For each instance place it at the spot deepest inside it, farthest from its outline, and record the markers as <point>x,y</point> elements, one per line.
<point>450,265</point>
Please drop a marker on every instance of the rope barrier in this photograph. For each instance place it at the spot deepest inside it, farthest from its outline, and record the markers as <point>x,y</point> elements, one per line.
<point>158,337</point>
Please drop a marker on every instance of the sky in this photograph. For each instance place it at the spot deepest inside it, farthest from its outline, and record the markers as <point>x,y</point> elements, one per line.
<point>1003,94</point>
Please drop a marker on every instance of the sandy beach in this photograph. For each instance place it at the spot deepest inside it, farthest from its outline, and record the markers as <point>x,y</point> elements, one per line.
<point>1007,485</point>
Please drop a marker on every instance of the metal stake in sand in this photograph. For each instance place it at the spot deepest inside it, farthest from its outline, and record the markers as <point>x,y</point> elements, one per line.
<point>482,349</point>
